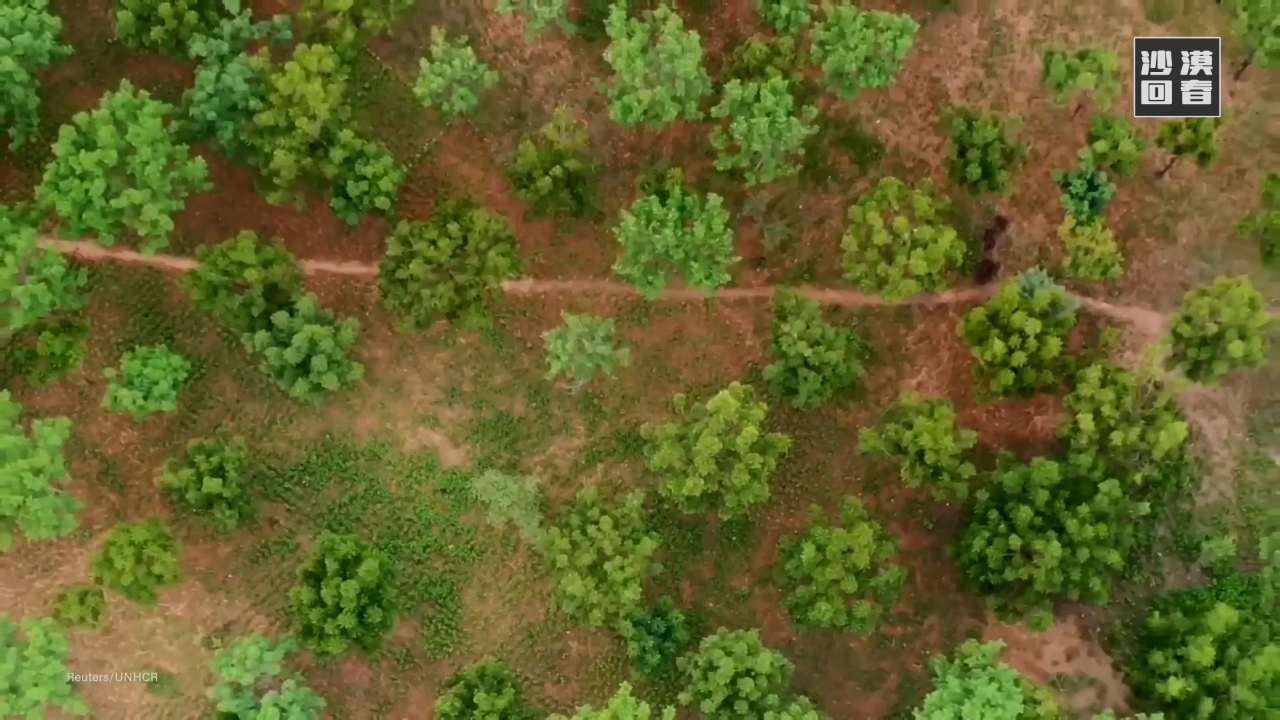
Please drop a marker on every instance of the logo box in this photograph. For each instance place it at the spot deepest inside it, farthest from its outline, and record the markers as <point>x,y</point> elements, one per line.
<point>1177,77</point>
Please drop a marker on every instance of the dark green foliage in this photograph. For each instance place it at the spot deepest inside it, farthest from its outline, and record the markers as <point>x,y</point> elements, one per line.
<point>655,637</point>
<point>208,482</point>
<point>243,281</point>
<point>983,155</point>
<point>137,560</point>
<point>552,170</point>
<point>923,434</point>
<point>35,282</point>
<point>759,58</point>
<point>1255,23</point>
<point>1196,138</point>
<point>366,177</point>
<point>30,33</point>
<point>1264,223</point>
<point>1114,143</point>
<point>487,689</point>
<point>812,359</point>
<point>33,671</point>
<point>343,596</point>
<point>732,675</point>
<point>165,25</point>
<point>148,381</point>
<point>786,16</point>
<point>305,350</point>
<point>1085,190</point>
<point>79,606</point>
<point>59,347</point>
<point>344,22</point>
<point>1220,327</point>
<point>33,466</point>
<point>253,684</point>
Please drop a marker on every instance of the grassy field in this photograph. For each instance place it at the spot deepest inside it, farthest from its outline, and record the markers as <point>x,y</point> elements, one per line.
<point>391,459</point>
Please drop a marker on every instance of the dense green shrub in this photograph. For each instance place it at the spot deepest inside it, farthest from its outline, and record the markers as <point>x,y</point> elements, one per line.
<point>1196,138</point>
<point>581,346</point>
<point>344,595</point>
<point>1219,327</point>
<point>1087,70</point>
<point>243,281</point>
<point>860,49</point>
<point>812,360</point>
<point>55,348</point>
<point>1254,23</point>
<point>79,605</point>
<point>137,560</point>
<point>796,708</point>
<point>452,79</point>
<point>717,454</point>
<point>1114,143</point>
<point>148,381</point>
<point>839,576</point>
<point>1019,336</point>
<point>622,705</point>
<point>657,67</point>
<point>1085,190</point>
<point>305,350</point>
<point>487,689</point>
<point>1092,250</point>
<point>599,556</point>
<point>343,22</point>
<point>249,684</point>
<point>1264,223</point>
<point>538,14</point>
<point>118,169</point>
<point>165,25</point>
<point>759,59</point>
<point>447,266</point>
<point>923,433</point>
<point>973,684</point>
<point>33,670</point>
<point>30,34</point>
<point>767,131</point>
<point>672,227</point>
<point>208,481</point>
<point>32,466</point>
<point>786,16</point>
<point>983,155</point>
<point>897,243</point>
<point>655,637</point>
<point>552,170</point>
<point>34,281</point>
<point>366,177</point>
<point>734,675</point>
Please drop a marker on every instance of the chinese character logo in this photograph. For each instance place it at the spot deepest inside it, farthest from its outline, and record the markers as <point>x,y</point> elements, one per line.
<point>1177,77</point>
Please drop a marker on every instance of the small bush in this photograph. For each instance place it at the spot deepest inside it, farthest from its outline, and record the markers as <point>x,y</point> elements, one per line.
<point>208,482</point>
<point>345,22</point>
<point>79,606</point>
<point>59,348</point>
<point>767,131</point>
<point>366,177</point>
<point>1086,191</point>
<point>787,16</point>
<point>538,14</point>
<point>305,350</point>
<point>582,346</point>
<point>759,59</point>
<point>1219,328</point>
<point>344,596</point>
<point>983,155</point>
<point>923,434</point>
<point>487,689</point>
<point>32,467</point>
<point>165,25</point>
<point>622,704</point>
<point>1115,144</point>
<point>655,637</point>
<point>1264,223</point>
<point>1196,138</point>
<point>35,282</point>
<point>974,684</point>
<point>35,673</point>
<point>733,675</point>
<point>452,79</point>
<point>860,49</point>
<point>249,683</point>
<point>148,381</point>
<point>552,171</point>
<point>243,281</point>
<point>812,359</point>
<point>510,499</point>
<point>137,560</point>
<point>1087,70</point>
<point>31,43</point>
<point>657,67</point>
<point>1092,250</point>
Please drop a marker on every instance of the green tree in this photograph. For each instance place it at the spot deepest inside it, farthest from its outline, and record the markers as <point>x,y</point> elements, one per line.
<point>148,381</point>
<point>672,227</point>
<point>655,637</point>
<point>861,49</point>
<point>973,684</point>
<point>451,78</point>
<point>622,705</point>
<point>839,576</point>
<point>1114,143</point>
<point>1089,71</point>
<point>759,59</point>
<point>343,22</point>
<point>1255,23</point>
<point>137,560</point>
<point>657,67</point>
<point>1264,223</point>
<point>118,169</point>
<point>79,606</point>
<point>448,266</point>
<point>733,674</point>
<point>243,281</point>
<point>923,434</point>
<point>35,282</point>
<point>767,132</point>
<point>1219,327</point>
<point>786,16</point>
<point>251,682</point>
<point>581,346</point>
<point>552,170</point>
<point>305,350</point>
<point>1086,191</point>
<point>366,177</point>
<point>812,360</point>
<point>165,25</point>
<point>487,689</point>
<point>58,347</point>
<point>538,14</point>
<point>32,466</point>
<point>1093,253</point>
<point>344,595</point>
<point>717,454</point>
<point>30,42</point>
<point>208,481</point>
<point>1019,336</point>
<point>897,243</point>
<point>983,155</point>
<point>33,670</point>
<point>1196,138</point>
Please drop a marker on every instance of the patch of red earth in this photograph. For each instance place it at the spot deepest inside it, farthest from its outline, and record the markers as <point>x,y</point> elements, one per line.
<point>1065,649</point>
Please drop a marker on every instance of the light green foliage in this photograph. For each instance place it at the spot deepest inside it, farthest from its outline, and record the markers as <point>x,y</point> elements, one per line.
<point>33,670</point>
<point>1219,327</point>
<point>448,266</point>
<point>59,347</point>
<point>1264,223</point>
<point>508,498</point>
<point>734,675</point>
<point>305,350</point>
<point>657,67</point>
<point>1111,715</point>
<point>973,684</point>
<point>760,58</point>
<point>1087,70</point>
<point>34,281</point>
<point>28,42</point>
<point>1086,191</point>
<point>366,177</point>
<point>796,708</point>
<point>655,637</point>
<point>812,359</point>
<point>767,132</point>
<point>672,227</point>
<point>165,25</point>
<point>249,684</point>
<point>897,243</point>
<point>599,556</point>
<point>486,689</point>
<point>538,14</point>
<point>1114,143</point>
<point>118,169</point>
<point>552,171</point>
<point>79,606</point>
<point>984,154</point>
<point>1257,24</point>
<point>1019,336</point>
<point>787,16</point>
<point>581,346</point>
<point>717,455</point>
<point>451,78</point>
<point>839,576</point>
<point>1092,250</point>
<point>343,22</point>
<point>860,49</point>
<point>1196,138</point>
<point>147,381</point>
<point>622,705</point>
<point>32,465</point>
<point>137,560</point>
<point>344,595</point>
<point>243,281</point>
<point>208,481</point>
<point>923,433</point>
